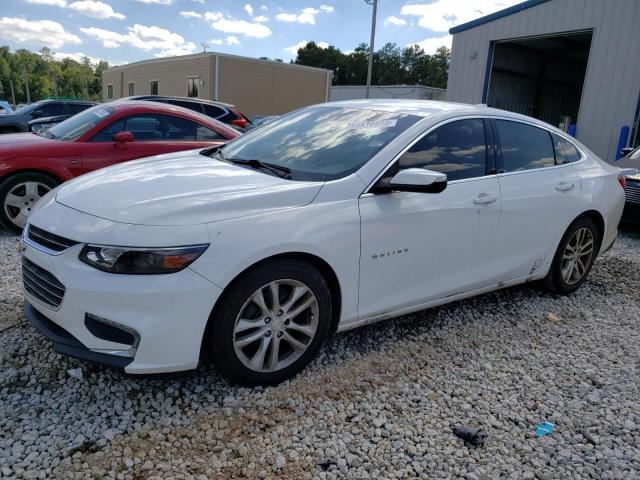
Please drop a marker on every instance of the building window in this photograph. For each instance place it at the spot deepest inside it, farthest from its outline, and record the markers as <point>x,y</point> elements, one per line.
<point>153,87</point>
<point>109,92</point>
<point>132,88</point>
<point>192,86</point>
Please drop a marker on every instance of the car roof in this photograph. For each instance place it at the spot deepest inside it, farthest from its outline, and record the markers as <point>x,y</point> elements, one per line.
<point>142,106</point>
<point>427,108</point>
<point>423,108</point>
<point>183,99</point>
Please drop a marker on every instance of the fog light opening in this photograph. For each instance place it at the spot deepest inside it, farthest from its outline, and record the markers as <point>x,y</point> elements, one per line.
<point>111,331</point>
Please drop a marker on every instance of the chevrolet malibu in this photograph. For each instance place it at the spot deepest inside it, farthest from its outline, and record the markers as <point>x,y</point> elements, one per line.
<point>326,219</point>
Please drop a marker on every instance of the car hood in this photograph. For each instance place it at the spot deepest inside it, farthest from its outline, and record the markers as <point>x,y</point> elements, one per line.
<point>10,117</point>
<point>184,188</point>
<point>12,144</point>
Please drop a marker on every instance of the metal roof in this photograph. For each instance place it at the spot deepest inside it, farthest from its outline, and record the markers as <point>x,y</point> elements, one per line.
<point>216,54</point>
<point>495,16</point>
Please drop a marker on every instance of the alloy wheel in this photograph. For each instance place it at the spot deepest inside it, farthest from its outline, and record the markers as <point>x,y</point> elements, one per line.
<point>21,199</point>
<point>276,325</point>
<point>577,256</point>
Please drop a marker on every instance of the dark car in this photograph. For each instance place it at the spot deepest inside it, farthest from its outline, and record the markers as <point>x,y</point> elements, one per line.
<point>40,124</point>
<point>18,121</point>
<point>630,162</point>
<point>223,112</point>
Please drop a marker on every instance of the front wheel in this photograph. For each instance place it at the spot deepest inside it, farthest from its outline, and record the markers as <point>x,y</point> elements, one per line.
<point>270,324</point>
<point>18,194</point>
<point>574,258</point>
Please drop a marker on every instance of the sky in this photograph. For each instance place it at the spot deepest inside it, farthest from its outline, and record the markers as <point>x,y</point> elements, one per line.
<point>124,31</point>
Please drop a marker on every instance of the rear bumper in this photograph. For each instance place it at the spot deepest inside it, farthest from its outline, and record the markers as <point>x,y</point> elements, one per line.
<point>631,212</point>
<point>67,344</point>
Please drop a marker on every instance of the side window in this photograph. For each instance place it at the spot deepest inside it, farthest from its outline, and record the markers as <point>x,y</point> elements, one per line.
<point>77,107</point>
<point>49,110</point>
<point>144,127</point>
<point>524,147</point>
<point>204,133</point>
<point>566,152</point>
<point>213,111</point>
<point>160,127</point>
<point>457,149</point>
<point>107,133</point>
<point>174,128</point>
<point>188,105</point>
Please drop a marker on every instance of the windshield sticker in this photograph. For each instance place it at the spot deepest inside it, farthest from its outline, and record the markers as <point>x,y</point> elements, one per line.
<point>373,124</point>
<point>101,112</point>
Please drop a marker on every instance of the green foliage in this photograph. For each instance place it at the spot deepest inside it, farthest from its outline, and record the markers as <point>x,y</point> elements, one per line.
<point>391,65</point>
<point>48,77</point>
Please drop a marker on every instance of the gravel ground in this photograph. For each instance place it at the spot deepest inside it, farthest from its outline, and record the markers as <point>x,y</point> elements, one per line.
<point>379,402</point>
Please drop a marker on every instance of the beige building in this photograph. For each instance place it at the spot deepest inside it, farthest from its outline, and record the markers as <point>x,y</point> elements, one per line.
<point>256,87</point>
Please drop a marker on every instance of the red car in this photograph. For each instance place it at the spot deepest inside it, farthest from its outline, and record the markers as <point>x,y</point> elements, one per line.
<point>31,165</point>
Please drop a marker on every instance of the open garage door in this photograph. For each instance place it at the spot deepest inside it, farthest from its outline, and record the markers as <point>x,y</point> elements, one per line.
<point>541,77</point>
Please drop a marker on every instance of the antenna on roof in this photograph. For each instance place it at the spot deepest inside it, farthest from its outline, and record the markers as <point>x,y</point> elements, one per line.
<point>205,45</point>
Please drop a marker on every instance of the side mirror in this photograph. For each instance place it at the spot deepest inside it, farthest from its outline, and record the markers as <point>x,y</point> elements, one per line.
<point>626,151</point>
<point>414,180</point>
<point>123,137</point>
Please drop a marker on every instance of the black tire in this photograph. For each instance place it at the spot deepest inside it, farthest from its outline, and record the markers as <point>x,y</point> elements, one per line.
<point>219,335</point>
<point>9,183</point>
<point>554,280</point>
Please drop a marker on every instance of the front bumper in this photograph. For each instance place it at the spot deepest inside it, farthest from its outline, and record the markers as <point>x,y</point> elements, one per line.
<point>168,313</point>
<point>67,344</point>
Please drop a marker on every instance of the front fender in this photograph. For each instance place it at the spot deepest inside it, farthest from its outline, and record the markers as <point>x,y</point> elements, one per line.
<point>329,231</point>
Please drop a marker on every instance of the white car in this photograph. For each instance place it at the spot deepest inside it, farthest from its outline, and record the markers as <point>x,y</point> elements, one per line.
<point>326,219</point>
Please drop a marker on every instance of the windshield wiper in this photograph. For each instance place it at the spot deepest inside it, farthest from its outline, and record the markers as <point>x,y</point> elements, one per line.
<point>279,170</point>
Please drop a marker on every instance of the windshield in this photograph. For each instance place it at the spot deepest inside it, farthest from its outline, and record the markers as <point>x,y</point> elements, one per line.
<point>74,127</point>
<point>320,143</point>
<point>27,108</point>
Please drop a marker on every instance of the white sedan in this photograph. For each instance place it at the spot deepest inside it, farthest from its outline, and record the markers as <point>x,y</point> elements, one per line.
<point>326,219</point>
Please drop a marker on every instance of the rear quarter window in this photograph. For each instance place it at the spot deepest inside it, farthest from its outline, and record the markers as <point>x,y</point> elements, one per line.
<point>566,152</point>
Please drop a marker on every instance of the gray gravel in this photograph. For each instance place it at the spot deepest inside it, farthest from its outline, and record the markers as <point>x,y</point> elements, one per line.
<point>379,402</point>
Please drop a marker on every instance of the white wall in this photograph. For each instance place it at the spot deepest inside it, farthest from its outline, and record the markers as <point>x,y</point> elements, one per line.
<point>356,92</point>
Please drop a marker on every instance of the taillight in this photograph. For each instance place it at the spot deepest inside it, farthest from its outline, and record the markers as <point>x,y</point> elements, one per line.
<point>623,182</point>
<point>240,122</point>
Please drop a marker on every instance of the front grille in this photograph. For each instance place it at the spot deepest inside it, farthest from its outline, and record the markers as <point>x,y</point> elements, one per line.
<point>49,240</point>
<point>41,284</point>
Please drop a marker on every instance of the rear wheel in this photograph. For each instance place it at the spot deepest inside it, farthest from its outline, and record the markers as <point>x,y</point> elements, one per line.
<point>271,324</point>
<point>18,194</point>
<point>574,258</point>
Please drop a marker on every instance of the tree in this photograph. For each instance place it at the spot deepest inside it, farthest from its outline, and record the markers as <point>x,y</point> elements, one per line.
<point>391,65</point>
<point>47,76</point>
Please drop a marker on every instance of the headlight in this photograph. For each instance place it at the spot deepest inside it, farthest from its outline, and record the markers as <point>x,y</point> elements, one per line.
<point>140,261</point>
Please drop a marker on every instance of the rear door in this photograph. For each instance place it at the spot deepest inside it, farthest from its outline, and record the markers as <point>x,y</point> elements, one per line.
<point>419,247</point>
<point>539,197</point>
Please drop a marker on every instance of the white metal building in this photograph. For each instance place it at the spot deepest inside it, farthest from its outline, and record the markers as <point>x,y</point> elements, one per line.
<point>572,63</point>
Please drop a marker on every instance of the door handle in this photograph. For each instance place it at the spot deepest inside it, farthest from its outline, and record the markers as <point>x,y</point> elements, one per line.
<point>485,199</point>
<point>564,186</point>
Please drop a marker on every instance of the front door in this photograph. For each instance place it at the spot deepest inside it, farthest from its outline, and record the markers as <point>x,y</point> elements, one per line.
<point>152,135</point>
<point>420,247</point>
